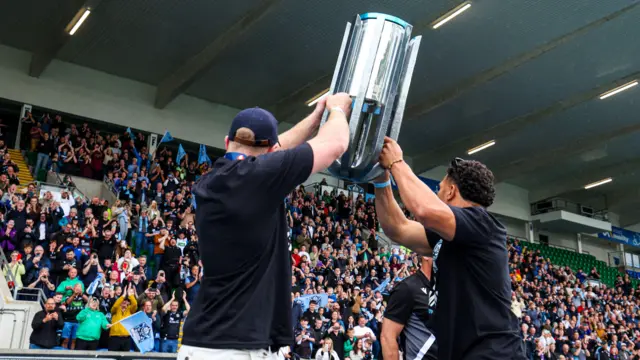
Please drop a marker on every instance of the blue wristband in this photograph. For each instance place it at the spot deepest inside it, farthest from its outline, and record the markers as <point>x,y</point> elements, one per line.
<point>382,185</point>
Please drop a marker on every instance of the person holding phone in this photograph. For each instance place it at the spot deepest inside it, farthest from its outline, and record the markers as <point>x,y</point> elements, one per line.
<point>43,283</point>
<point>326,352</point>
<point>16,268</point>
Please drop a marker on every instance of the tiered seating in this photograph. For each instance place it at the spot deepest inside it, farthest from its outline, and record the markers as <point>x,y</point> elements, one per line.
<point>24,174</point>
<point>576,261</point>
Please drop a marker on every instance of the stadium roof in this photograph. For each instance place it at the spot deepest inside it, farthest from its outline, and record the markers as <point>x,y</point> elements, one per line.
<point>526,74</point>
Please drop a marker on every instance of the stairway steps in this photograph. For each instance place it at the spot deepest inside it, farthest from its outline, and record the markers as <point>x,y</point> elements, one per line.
<point>25,173</point>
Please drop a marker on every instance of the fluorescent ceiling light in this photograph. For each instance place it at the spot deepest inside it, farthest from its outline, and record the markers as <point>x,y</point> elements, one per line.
<point>619,89</point>
<point>481,147</point>
<point>314,100</point>
<point>451,14</point>
<point>84,17</point>
<point>598,183</point>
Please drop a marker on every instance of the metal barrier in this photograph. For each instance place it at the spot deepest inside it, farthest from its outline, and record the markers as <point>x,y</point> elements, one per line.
<point>626,259</point>
<point>25,293</point>
<point>6,354</point>
<point>4,263</point>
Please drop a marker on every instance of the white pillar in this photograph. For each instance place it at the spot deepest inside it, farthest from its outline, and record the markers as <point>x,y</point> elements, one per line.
<point>528,229</point>
<point>25,108</point>
<point>579,238</point>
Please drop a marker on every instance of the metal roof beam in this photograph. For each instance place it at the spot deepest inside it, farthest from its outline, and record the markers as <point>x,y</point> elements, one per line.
<point>465,85</point>
<point>540,159</point>
<point>578,179</point>
<point>291,103</point>
<point>70,11</point>
<point>181,78</point>
<point>458,147</point>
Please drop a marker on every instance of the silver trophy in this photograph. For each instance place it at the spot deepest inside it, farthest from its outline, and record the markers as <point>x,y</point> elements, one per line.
<point>375,66</point>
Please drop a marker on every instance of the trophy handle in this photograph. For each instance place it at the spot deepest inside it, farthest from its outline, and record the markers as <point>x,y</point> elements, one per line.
<point>356,106</point>
<point>407,74</point>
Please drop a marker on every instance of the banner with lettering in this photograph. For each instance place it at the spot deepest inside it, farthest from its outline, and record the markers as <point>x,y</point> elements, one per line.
<point>622,236</point>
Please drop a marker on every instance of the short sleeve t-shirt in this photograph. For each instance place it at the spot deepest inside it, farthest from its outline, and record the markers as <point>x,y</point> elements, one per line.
<point>473,318</point>
<point>244,300</point>
<point>410,304</point>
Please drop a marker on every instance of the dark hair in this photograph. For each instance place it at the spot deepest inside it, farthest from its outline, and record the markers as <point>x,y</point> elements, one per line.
<point>474,181</point>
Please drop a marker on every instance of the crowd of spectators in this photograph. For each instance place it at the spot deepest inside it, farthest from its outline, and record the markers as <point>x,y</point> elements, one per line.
<point>145,249</point>
<point>568,314</point>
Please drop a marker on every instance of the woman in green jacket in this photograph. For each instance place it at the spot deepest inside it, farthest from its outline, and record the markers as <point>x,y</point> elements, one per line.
<point>91,322</point>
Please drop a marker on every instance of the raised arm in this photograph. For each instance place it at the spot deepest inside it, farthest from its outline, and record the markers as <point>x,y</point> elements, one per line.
<point>419,199</point>
<point>303,130</point>
<point>395,225</point>
<point>333,137</point>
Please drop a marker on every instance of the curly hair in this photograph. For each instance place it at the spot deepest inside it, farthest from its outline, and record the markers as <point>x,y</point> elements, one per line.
<point>474,181</point>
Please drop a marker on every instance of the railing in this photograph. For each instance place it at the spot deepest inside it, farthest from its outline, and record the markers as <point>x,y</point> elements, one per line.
<point>110,185</point>
<point>555,204</point>
<point>4,264</point>
<point>626,259</point>
<point>79,354</point>
<point>24,293</point>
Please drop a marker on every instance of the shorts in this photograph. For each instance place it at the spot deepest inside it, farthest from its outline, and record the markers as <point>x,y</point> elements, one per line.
<point>69,330</point>
<point>197,353</point>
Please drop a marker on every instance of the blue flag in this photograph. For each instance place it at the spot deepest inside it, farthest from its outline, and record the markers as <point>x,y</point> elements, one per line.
<point>181,154</point>
<point>202,155</point>
<point>94,284</point>
<point>166,137</point>
<point>304,300</point>
<point>130,133</point>
<point>141,330</point>
<point>383,287</point>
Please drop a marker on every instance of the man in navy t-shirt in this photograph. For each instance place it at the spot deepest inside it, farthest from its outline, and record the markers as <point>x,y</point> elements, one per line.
<point>472,318</point>
<point>243,307</point>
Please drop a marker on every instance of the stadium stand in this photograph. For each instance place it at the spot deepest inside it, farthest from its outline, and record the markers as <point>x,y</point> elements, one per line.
<point>145,246</point>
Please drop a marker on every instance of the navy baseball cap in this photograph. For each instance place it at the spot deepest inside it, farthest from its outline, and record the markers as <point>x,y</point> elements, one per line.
<point>261,122</point>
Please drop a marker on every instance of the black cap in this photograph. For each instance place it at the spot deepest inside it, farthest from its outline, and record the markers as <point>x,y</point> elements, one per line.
<point>261,122</point>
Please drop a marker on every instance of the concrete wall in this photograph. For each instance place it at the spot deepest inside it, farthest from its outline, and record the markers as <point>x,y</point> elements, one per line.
<point>635,227</point>
<point>598,247</point>
<point>511,201</point>
<point>515,227</point>
<point>567,240</point>
<point>81,91</point>
<point>331,180</point>
<point>15,319</point>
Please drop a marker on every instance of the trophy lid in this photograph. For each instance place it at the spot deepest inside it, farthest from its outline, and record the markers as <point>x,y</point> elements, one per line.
<point>394,19</point>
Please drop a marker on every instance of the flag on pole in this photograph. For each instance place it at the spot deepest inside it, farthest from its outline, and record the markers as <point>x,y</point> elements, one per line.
<point>202,155</point>
<point>321,299</point>
<point>141,330</point>
<point>383,287</point>
<point>94,285</point>
<point>166,137</point>
<point>130,133</point>
<point>181,154</point>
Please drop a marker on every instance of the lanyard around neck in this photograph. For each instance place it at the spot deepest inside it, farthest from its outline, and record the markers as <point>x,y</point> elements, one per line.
<point>235,156</point>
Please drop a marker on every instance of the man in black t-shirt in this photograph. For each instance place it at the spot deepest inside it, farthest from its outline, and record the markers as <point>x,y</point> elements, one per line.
<point>408,317</point>
<point>243,306</point>
<point>473,318</point>
<point>170,330</point>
